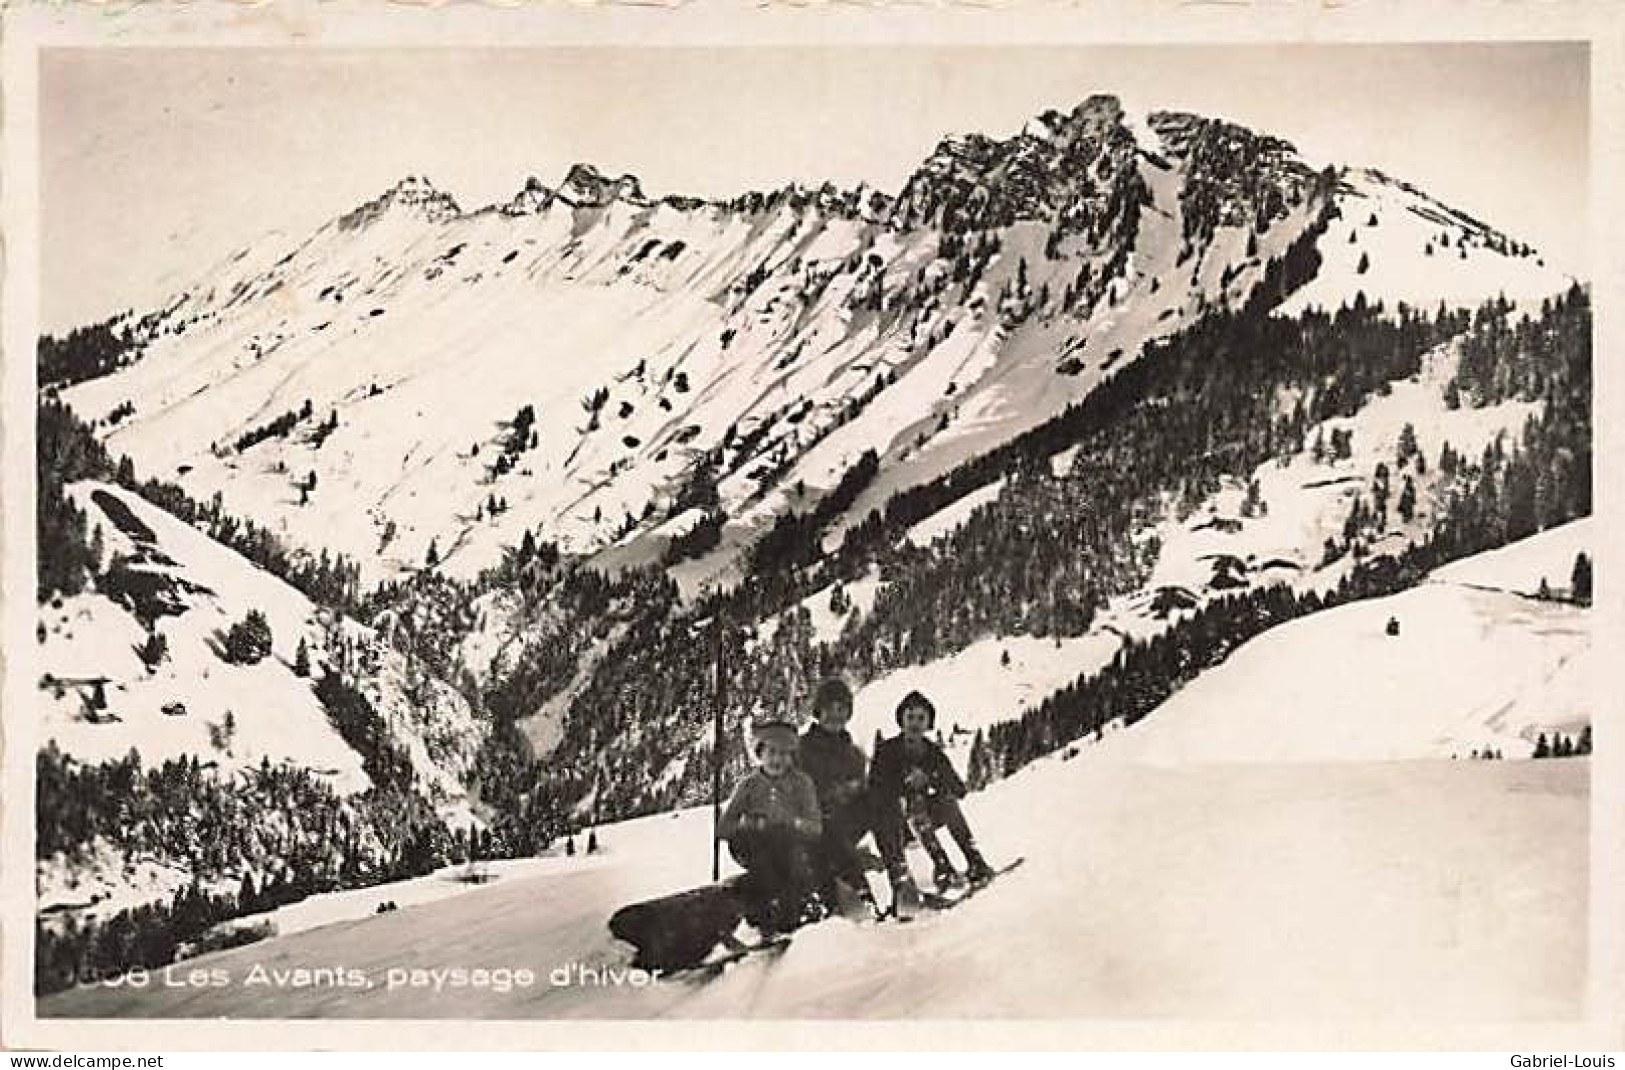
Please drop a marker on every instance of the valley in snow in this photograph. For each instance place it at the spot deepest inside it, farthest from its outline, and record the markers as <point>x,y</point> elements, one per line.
<point>1322,859</point>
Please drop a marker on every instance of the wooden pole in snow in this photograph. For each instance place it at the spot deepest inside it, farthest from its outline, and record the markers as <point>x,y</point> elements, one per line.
<point>719,697</point>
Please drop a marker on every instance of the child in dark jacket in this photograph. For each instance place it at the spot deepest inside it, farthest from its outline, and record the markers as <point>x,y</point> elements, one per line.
<point>838,770</point>
<point>770,824</point>
<point>912,780</point>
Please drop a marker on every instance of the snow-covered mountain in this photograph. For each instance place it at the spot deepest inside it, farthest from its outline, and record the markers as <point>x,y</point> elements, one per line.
<point>566,361</point>
<point>443,529</point>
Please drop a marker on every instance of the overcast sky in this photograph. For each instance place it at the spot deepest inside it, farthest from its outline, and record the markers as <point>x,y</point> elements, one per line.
<point>156,163</point>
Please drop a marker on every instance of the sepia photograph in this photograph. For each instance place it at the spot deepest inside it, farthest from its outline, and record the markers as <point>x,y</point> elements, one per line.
<point>762,532</point>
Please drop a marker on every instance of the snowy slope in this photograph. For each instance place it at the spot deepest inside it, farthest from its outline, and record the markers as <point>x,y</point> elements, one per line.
<point>977,687</point>
<point>1471,670</point>
<point>945,520</point>
<point>1480,665</point>
<point>1349,892</point>
<point>1418,251</point>
<point>1521,566</point>
<point>92,637</point>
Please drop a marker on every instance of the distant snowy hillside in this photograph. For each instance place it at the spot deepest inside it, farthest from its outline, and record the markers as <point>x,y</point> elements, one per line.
<point>169,580</point>
<point>1278,535</point>
<point>1524,567</point>
<point>1472,670</point>
<point>182,750</point>
<point>1438,889</point>
<point>1395,243</point>
<point>984,683</point>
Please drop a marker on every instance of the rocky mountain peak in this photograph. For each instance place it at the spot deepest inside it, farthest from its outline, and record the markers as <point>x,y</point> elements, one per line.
<point>414,193</point>
<point>1058,157</point>
<point>585,186</point>
<point>534,196</point>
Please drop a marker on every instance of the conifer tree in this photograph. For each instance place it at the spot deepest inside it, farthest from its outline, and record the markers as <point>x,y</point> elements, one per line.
<point>154,651</point>
<point>1407,500</point>
<point>1580,581</point>
<point>1407,443</point>
<point>248,641</point>
<point>978,772</point>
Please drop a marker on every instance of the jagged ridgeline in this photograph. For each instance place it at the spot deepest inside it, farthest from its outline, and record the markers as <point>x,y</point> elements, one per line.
<point>482,506</point>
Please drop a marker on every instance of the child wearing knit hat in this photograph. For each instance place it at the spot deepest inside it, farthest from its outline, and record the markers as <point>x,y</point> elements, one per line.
<point>839,771</point>
<point>911,780</point>
<point>770,824</point>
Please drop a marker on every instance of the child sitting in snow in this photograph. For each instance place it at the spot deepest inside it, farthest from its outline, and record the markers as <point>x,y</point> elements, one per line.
<point>838,770</point>
<point>911,779</point>
<point>770,825</point>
